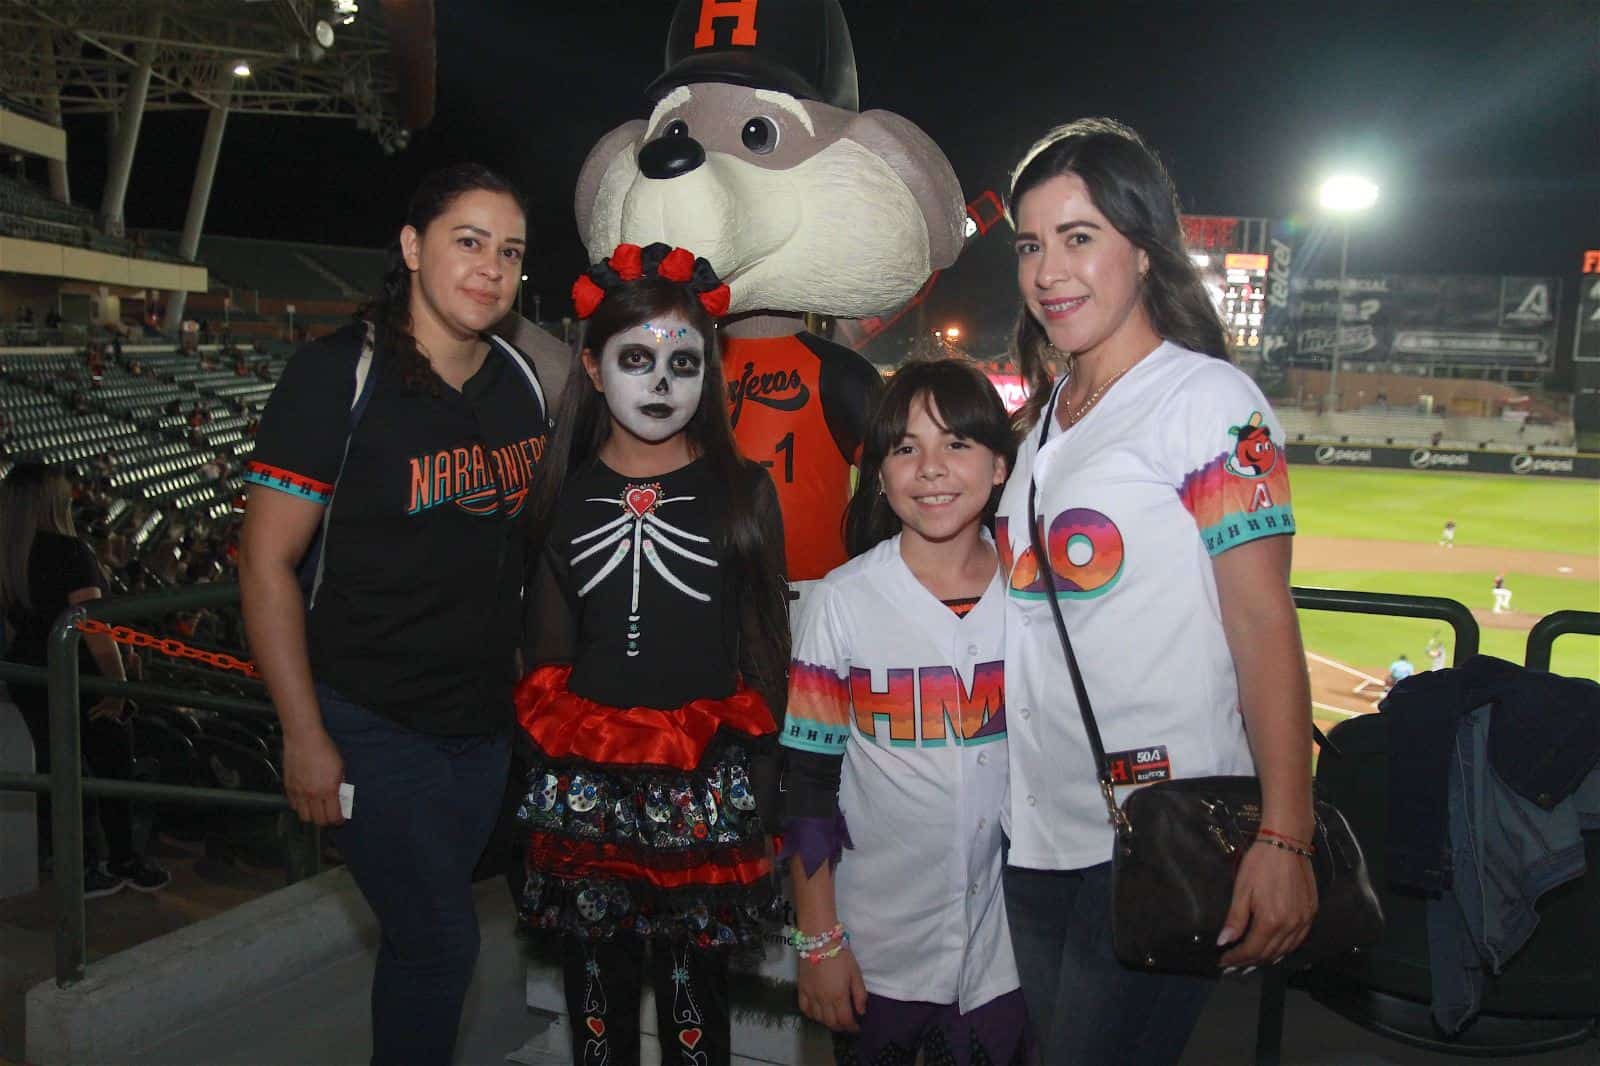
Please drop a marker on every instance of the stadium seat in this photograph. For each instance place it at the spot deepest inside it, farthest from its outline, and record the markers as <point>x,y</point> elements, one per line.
<point>1547,997</point>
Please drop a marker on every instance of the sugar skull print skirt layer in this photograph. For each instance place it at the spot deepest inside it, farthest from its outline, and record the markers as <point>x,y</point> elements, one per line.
<point>644,822</point>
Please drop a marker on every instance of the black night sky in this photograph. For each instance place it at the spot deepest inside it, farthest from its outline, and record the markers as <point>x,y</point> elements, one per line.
<point>1479,121</point>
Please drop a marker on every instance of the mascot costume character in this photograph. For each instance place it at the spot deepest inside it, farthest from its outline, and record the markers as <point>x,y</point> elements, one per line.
<point>756,154</point>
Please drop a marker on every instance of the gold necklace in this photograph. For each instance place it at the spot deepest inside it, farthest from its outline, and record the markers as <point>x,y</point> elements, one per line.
<point>1073,417</point>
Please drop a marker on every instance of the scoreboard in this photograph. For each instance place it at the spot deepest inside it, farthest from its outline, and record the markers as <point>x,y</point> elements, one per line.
<point>1244,298</point>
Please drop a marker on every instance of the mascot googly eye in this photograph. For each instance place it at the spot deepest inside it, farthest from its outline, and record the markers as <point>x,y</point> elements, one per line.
<point>757,155</point>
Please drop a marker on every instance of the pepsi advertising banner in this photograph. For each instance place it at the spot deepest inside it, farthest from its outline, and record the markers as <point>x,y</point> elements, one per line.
<point>1368,456</point>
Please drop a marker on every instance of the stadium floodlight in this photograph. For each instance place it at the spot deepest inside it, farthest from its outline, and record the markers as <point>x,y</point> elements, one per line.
<point>241,69</point>
<point>1347,192</point>
<point>1343,195</point>
<point>953,332</point>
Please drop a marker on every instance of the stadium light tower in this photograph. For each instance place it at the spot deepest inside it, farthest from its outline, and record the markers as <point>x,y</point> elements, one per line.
<point>1343,195</point>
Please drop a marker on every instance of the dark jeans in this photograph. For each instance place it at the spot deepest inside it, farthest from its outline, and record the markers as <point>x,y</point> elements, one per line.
<point>107,748</point>
<point>603,982</point>
<point>1085,1006</point>
<point>423,809</point>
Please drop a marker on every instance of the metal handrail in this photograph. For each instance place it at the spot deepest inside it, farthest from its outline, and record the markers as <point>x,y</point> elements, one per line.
<point>140,690</point>
<point>1559,624</point>
<point>66,783</point>
<point>1457,614</point>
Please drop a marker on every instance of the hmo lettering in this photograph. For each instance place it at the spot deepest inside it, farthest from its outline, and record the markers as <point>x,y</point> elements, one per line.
<point>931,704</point>
<point>1086,556</point>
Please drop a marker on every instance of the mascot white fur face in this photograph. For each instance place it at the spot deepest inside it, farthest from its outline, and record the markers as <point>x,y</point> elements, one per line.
<point>798,205</point>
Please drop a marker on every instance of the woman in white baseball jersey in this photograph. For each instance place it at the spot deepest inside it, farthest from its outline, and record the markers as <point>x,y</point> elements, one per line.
<point>896,722</point>
<point>1164,506</point>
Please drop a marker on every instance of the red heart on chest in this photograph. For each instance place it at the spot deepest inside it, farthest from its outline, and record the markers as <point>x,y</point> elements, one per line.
<point>596,1025</point>
<point>689,1038</point>
<point>640,500</point>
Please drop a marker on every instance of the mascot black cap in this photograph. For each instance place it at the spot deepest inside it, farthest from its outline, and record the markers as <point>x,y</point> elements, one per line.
<point>800,47</point>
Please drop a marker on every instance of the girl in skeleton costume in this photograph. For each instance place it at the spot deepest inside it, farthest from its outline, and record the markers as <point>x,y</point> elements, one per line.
<point>659,656</point>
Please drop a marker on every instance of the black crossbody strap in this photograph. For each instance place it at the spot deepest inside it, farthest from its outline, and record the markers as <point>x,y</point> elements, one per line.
<point>1090,728</point>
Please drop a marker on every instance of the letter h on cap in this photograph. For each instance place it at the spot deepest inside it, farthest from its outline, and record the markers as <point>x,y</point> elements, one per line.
<point>744,31</point>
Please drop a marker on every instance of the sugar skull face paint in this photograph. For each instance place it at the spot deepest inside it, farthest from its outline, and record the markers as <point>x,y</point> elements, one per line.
<point>652,375</point>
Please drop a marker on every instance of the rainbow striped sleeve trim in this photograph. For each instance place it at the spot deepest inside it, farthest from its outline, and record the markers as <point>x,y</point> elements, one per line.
<point>275,477</point>
<point>819,710</point>
<point>1233,509</point>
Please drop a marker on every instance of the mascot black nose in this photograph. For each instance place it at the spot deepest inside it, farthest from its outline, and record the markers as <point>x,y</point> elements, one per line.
<point>668,157</point>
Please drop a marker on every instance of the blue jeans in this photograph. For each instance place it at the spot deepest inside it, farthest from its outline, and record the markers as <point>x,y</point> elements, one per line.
<point>1085,1006</point>
<point>424,808</point>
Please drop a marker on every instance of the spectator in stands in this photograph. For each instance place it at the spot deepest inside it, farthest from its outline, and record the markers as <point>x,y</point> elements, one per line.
<point>52,319</point>
<point>25,315</point>
<point>397,681</point>
<point>198,415</point>
<point>45,568</point>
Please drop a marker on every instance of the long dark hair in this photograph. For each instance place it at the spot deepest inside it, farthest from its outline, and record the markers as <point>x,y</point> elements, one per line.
<point>33,497</point>
<point>1128,185</point>
<point>389,310</point>
<point>583,423</point>
<point>963,401</point>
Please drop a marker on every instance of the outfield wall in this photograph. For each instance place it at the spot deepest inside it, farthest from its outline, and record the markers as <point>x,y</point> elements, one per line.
<point>1367,456</point>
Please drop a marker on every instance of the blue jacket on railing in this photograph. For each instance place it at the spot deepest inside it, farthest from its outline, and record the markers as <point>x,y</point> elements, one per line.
<point>1543,740</point>
<point>1507,850</point>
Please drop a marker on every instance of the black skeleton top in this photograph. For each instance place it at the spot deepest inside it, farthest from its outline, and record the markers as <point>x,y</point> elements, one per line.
<point>635,592</point>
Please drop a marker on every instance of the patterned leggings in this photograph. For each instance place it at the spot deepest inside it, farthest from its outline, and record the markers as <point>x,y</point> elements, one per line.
<point>603,986</point>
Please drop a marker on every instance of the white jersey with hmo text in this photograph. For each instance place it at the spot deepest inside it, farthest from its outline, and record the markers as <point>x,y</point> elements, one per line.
<point>913,698</point>
<point>1179,462</point>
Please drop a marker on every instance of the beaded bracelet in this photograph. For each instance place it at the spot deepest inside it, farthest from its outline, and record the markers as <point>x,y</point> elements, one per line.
<point>802,943</point>
<point>1274,834</point>
<point>1295,849</point>
<point>815,957</point>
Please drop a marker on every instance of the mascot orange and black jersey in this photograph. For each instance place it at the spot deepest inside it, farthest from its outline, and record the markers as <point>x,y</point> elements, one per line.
<point>799,406</point>
<point>757,155</point>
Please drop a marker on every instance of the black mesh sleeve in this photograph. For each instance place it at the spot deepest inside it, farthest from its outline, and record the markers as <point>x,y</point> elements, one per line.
<point>810,784</point>
<point>551,629</point>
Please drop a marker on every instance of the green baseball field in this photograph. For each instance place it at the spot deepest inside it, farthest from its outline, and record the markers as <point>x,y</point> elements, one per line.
<point>1381,531</point>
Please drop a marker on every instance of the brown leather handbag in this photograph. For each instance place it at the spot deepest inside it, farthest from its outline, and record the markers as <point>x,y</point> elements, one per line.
<point>1179,844</point>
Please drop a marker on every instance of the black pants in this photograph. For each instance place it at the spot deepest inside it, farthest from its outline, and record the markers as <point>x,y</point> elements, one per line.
<point>603,985</point>
<point>107,748</point>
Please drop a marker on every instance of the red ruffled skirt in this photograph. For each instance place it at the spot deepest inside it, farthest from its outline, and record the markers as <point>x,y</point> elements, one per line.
<point>644,822</point>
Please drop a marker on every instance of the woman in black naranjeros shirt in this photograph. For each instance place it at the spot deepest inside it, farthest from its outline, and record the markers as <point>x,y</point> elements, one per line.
<point>393,677</point>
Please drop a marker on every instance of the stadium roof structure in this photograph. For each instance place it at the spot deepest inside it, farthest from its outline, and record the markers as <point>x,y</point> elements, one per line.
<point>372,63</point>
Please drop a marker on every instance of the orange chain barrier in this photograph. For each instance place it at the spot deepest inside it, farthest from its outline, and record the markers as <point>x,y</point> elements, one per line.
<point>169,646</point>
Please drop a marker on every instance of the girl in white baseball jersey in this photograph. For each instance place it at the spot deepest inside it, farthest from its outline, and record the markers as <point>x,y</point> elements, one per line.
<point>896,724</point>
<point>1164,506</point>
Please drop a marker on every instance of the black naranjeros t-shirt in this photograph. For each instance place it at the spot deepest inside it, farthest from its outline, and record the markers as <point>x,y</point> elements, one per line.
<point>418,613</point>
